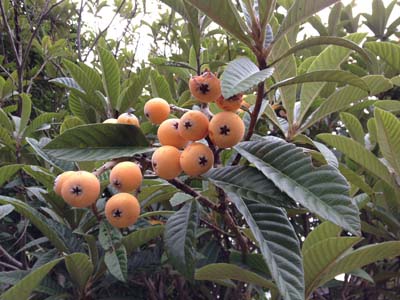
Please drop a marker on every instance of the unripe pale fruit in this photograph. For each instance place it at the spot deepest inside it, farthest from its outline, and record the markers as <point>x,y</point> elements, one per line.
<point>193,125</point>
<point>165,161</point>
<point>226,129</point>
<point>205,87</point>
<point>81,189</point>
<point>122,210</point>
<point>126,176</point>
<point>196,159</point>
<point>110,121</point>
<point>168,134</point>
<point>128,118</point>
<point>231,104</point>
<point>59,181</point>
<point>156,110</point>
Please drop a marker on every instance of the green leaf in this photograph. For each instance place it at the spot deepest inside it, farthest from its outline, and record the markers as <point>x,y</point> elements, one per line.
<point>241,75</point>
<point>265,9</point>
<point>354,127</point>
<point>25,113</point>
<point>24,288</point>
<point>80,268</point>
<point>224,271</point>
<point>67,82</point>
<point>37,220</point>
<point>323,231</point>
<point>70,122</point>
<point>7,173</point>
<point>300,11</point>
<point>338,76</point>
<point>159,87</point>
<point>141,237</point>
<point>320,257</point>
<point>355,179</point>
<point>278,244</point>
<point>226,15</point>
<point>95,142</point>
<point>110,75</point>
<point>180,238</point>
<point>5,210</point>
<point>389,52</point>
<point>116,261</point>
<point>255,187</point>
<point>41,120</point>
<point>109,236</point>
<point>5,121</point>
<point>322,190</point>
<point>388,134</point>
<point>130,95</point>
<point>359,154</point>
<point>389,105</point>
<point>345,97</point>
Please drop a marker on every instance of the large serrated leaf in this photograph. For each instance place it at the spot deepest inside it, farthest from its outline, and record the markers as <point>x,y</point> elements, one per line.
<point>241,75</point>
<point>278,244</point>
<point>24,288</point>
<point>67,82</point>
<point>180,238</point>
<point>116,261</point>
<point>323,231</point>
<point>97,142</point>
<point>79,267</point>
<point>141,237</point>
<point>224,271</point>
<point>359,154</point>
<point>159,87</point>
<point>354,127</point>
<point>389,52</point>
<point>129,96</point>
<point>255,187</point>
<point>388,134</point>
<point>110,75</point>
<point>324,191</point>
<point>389,105</point>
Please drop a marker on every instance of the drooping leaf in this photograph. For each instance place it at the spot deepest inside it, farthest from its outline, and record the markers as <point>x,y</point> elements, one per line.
<point>116,261</point>
<point>224,271</point>
<point>323,190</point>
<point>388,134</point>
<point>389,52</point>
<point>41,120</point>
<point>141,237</point>
<point>180,238</point>
<point>110,75</point>
<point>25,113</point>
<point>67,82</point>
<point>241,75</point>
<point>354,127</point>
<point>97,142</point>
<point>79,267</point>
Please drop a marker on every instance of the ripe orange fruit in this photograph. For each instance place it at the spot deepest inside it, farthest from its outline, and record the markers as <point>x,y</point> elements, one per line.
<point>81,189</point>
<point>205,87</point>
<point>168,134</point>
<point>226,129</point>
<point>193,125</point>
<point>128,118</point>
<point>157,110</point>
<point>122,210</point>
<point>165,161</point>
<point>196,159</point>
<point>110,121</point>
<point>59,181</point>
<point>126,176</point>
<point>231,104</point>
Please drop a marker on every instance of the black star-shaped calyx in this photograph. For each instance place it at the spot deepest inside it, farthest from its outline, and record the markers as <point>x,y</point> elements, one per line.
<point>224,130</point>
<point>203,160</point>
<point>175,125</point>
<point>117,213</point>
<point>154,165</point>
<point>76,190</point>
<point>204,88</point>
<point>188,124</point>
<point>117,183</point>
<point>147,114</point>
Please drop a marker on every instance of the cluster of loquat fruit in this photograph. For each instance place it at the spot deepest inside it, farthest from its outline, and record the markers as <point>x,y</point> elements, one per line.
<point>181,150</point>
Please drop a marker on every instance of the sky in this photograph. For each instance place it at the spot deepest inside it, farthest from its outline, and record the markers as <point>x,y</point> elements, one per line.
<point>153,12</point>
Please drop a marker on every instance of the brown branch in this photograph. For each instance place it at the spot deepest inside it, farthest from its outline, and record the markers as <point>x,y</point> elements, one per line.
<point>10,33</point>
<point>178,109</point>
<point>78,30</point>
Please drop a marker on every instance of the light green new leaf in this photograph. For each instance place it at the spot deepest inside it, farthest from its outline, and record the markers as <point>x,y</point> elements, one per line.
<point>111,75</point>
<point>389,105</point>
<point>388,134</point>
<point>180,238</point>
<point>278,244</point>
<point>141,237</point>
<point>226,15</point>
<point>354,127</point>
<point>24,288</point>
<point>359,154</point>
<point>389,52</point>
<point>70,122</point>
<point>79,267</point>
<point>241,75</point>
<point>300,11</point>
<point>323,190</point>
<point>355,179</point>
<point>224,271</point>
<point>323,231</point>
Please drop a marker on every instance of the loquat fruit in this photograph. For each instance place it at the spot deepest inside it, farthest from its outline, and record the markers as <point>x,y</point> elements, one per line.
<point>226,129</point>
<point>81,189</point>
<point>128,118</point>
<point>193,125</point>
<point>110,121</point>
<point>59,181</point>
<point>196,159</point>
<point>165,161</point>
<point>231,104</point>
<point>126,176</point>
<point>122,210</point>
<point>205,87</point>
<point>168,134</point>
<point>157,110</point>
